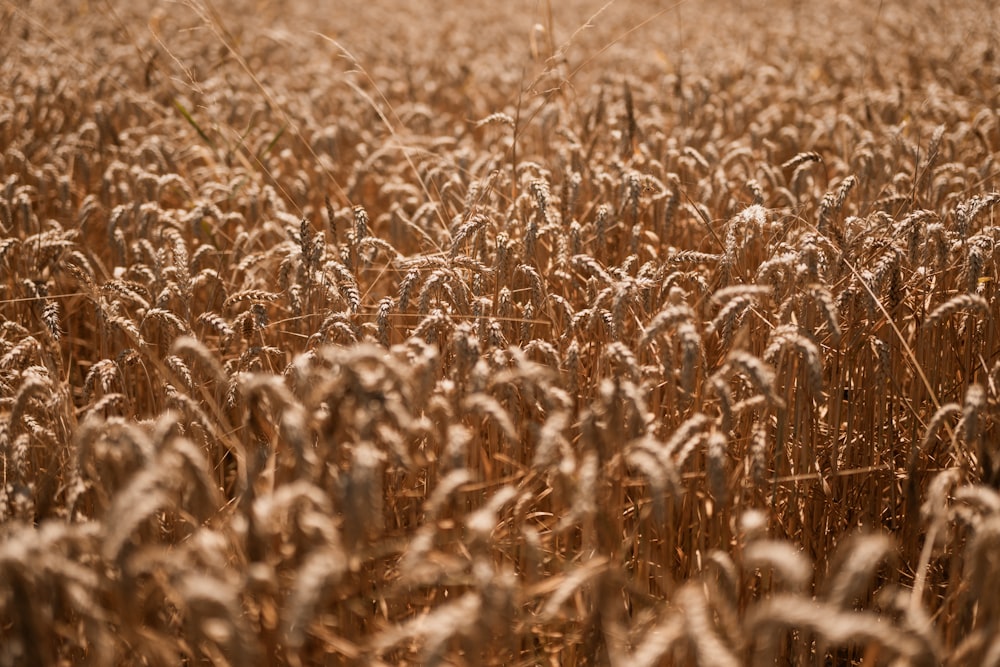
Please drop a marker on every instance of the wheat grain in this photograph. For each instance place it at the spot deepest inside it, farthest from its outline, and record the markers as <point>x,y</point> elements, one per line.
<point>790,335</point>
<point>858,559</point>
<point>801,158</point>
<point>836,627</point>
<point>710,647</point>
<point>546,373</point>
<point>954,305</point>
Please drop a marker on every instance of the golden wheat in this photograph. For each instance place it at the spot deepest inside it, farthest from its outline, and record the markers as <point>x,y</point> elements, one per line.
<point>534,333</point>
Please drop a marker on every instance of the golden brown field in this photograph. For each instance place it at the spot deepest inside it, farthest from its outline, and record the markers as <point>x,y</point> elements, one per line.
<point>525,333</point>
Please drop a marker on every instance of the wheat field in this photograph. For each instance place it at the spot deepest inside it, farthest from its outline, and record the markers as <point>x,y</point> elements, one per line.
<point>526,333</point>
